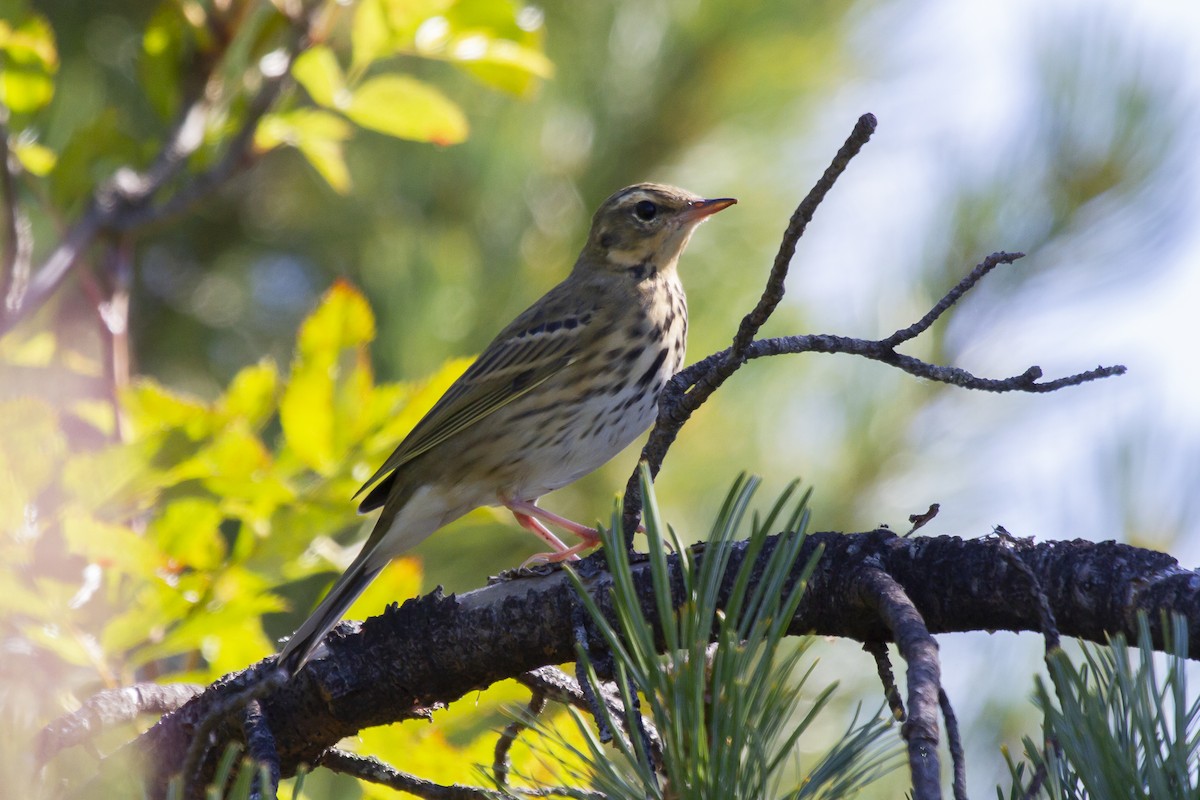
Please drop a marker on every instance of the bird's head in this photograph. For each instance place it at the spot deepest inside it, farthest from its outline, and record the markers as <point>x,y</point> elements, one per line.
<point>643,228</point>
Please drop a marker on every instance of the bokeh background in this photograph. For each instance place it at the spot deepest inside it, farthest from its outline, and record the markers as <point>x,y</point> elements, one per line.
<point>1063,129</point>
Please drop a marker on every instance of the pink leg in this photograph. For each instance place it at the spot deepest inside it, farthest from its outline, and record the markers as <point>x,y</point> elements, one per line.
<point>531,517</point>
<point>532,509</point>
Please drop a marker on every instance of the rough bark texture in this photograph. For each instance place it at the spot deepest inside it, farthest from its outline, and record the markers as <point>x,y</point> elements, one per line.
<point>436,649</point>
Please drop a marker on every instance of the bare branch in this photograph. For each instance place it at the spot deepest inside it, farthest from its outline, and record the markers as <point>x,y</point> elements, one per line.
<point>958,758</point>
<point>369,768</point>
<point>106,710</point>
<point>803,215</point>
<point>880,591</point>
<point>680,399</point>
<point>952,297</point>
<point>125,202</point>
<point>883,666</point>
<point>508,737</point>
<point>194,774</point>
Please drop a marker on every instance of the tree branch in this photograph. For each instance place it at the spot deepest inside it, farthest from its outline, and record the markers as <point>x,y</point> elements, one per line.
<point>435,649</point>
<point>125,202</point>
<point>881,593</point>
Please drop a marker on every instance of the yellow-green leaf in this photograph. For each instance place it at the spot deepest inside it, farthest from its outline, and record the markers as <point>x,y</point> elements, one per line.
<point>251,393</point>
<point>317,134</point>
<point>152,407</point>
<point>188,532</point>
<point>328,159</point>
<point>406,108</point>
<point>317,70</point>
<point>109,545</point>
<point>28,61</point>
<point>31,445</point>
<point>501,63</point>
<point>328,353</point>
<point>342,319</point>
<point>37,159</point>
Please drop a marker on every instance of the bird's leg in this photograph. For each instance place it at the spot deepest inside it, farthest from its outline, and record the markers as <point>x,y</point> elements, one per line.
<point>532,509</point>
<point>530,516</point>
<point>535,527</point>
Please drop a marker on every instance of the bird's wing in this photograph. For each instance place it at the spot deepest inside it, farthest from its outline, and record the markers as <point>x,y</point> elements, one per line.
<point>521,358</point>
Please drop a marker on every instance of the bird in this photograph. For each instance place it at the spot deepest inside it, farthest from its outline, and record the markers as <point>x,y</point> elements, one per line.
<point>560,391</point>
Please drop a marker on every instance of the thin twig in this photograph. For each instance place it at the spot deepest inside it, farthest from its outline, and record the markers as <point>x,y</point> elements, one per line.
<point>680,400</point>
<point>560,687</point>
<point>958,759</point>
<point>508,737</point>
<point>883,666</point>
<point>373,770</point>
<point>951,297</point>
<point>1035,785</point>
<point>1045,614</point>
<point>125,202</point>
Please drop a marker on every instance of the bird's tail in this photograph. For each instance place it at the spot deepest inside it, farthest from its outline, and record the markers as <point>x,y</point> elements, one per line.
<point>308,636</point>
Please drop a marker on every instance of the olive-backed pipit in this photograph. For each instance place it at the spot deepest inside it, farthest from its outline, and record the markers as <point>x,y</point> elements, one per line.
<point>564,388</point>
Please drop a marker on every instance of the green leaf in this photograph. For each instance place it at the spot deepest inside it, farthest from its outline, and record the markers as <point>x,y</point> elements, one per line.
<point>33,445</point>
<point>188,532</point>
<point>382,28</point>
<point>317,134</point>
<point>37,159</point>
<point>500,63</point>
<point>317,70</point>
<point>162,52</point>
<point>251,394</point>
<point>109,545</point>
<point>406,108</point>
<point>152,407</point>
<point>329,354</point>
<point>28,61</point>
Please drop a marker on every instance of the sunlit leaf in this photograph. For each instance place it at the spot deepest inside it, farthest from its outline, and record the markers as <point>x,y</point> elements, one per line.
<point>37,159</point>
<point>251,393</point>
<point>317,70</point>
<point>381,28</point>
<point>406,108</point>
<point>328,158</point>
<point>150,406</point>
<point>109,545</point>
<point>317,134</point>
<point>28,61</point>
<point>33,445</point>
<point>188,532</point>
<point>500,63</point>
<point>326,353</point>
<point>416,402</point>
<point>121,475</point>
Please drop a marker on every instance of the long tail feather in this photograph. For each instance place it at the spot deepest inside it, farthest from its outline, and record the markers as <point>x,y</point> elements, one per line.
<point>343,594</point>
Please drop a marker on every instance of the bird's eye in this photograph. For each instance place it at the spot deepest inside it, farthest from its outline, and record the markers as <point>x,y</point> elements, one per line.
<point>645,210</point>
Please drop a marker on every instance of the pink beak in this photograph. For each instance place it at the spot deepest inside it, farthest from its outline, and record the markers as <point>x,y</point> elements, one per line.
<point>699,209</point>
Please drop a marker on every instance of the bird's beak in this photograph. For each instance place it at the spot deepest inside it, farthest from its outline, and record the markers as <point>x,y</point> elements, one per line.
<point>699,209</point>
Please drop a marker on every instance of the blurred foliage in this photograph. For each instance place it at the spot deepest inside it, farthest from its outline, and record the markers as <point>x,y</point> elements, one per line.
<point>157,557</point>
<point>155,520</point>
